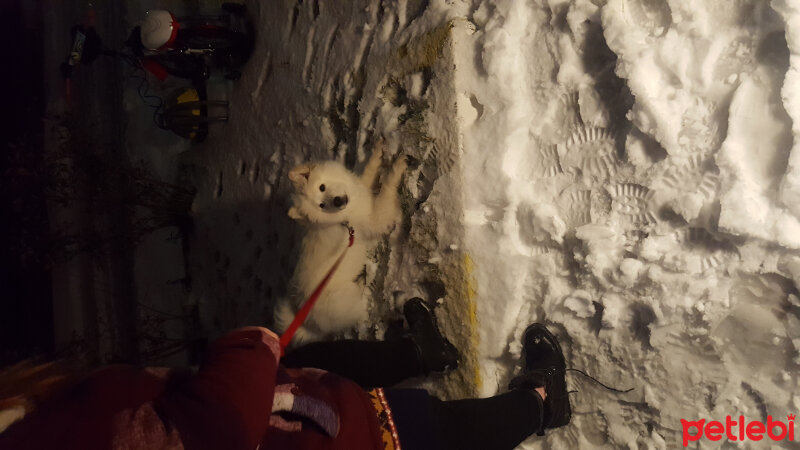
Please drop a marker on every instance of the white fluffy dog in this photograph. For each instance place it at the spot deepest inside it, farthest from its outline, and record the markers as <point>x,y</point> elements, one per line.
<point>326,196</point>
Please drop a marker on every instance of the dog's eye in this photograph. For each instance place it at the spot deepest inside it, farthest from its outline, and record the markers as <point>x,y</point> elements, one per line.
<point>322,205</point>
<point>322,188</point>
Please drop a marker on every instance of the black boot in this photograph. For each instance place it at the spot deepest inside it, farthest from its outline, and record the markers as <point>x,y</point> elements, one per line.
<point>545,366</point>
<point>435,353</point>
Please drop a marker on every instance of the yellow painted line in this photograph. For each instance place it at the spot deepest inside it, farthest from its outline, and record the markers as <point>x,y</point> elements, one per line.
<point>471,291</point>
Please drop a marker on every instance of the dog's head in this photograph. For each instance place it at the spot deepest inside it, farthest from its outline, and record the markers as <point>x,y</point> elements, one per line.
<point>323,192</point>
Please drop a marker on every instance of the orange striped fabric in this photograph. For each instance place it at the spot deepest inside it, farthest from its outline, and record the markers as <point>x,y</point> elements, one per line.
<point>390,438</point>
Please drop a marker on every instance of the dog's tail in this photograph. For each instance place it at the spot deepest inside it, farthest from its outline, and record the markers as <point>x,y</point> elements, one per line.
<point>283,316</point>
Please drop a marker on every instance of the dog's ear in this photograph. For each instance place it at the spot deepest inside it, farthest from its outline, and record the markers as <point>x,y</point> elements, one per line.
<point>299,175</point>
<point>294,213</point>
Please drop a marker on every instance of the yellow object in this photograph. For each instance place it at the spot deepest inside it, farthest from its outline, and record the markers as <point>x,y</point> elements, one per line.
<point>471,291</point>
<point>189,95</point>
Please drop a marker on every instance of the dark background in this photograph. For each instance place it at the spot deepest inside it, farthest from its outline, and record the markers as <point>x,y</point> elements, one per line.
<point>25,289</point>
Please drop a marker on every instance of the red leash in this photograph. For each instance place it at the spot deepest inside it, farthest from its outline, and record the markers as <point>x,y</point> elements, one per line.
<point>301,315</point>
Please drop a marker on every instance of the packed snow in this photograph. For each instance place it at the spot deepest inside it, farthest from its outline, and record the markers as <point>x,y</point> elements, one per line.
<point>625,171</point>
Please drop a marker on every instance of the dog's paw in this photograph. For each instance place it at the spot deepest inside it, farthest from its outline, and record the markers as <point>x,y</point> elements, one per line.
<point>373,165</point>
<point>300,174</point>
<point>294,213</point>
<point>378,150</point>
<point>380,144</point>
<point>400,165</point>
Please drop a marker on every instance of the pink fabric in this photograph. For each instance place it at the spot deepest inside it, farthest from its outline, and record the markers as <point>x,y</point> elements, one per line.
<point>137,428</point>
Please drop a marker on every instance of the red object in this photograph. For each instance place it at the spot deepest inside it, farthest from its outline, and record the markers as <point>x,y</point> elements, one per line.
<point>304,311</point>
<point>155,68</point>
<point>228,404</point>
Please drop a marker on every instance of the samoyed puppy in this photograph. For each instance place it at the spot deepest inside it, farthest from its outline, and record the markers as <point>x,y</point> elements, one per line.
<point>326,197</point>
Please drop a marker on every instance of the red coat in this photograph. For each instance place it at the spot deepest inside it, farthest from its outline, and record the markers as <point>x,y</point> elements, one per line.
<point>240,399</point>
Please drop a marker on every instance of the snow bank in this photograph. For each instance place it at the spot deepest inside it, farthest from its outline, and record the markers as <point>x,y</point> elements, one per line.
<point>326,80</point>
<point>624,171</point>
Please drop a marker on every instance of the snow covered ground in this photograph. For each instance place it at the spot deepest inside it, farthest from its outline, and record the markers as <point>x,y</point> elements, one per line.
<point>626,171</point>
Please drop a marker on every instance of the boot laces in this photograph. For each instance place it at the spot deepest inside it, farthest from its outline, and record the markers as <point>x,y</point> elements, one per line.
<point>612,389</point>
<point>550,373</point>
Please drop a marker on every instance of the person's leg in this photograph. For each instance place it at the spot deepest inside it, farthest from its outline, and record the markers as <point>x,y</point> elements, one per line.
<point>537,400</point>
<point>368,363</point>
<point>384,363</point>
<point>499,423</point>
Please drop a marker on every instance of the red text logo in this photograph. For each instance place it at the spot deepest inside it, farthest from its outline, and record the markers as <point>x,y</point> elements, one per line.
<point>738,430</point>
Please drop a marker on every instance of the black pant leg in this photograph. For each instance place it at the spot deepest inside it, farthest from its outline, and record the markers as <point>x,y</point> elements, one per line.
<point>497,423</point>
<point>368,363</point>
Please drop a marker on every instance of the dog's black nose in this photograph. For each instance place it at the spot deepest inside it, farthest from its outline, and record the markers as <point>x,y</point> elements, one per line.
<point>339,201</point>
